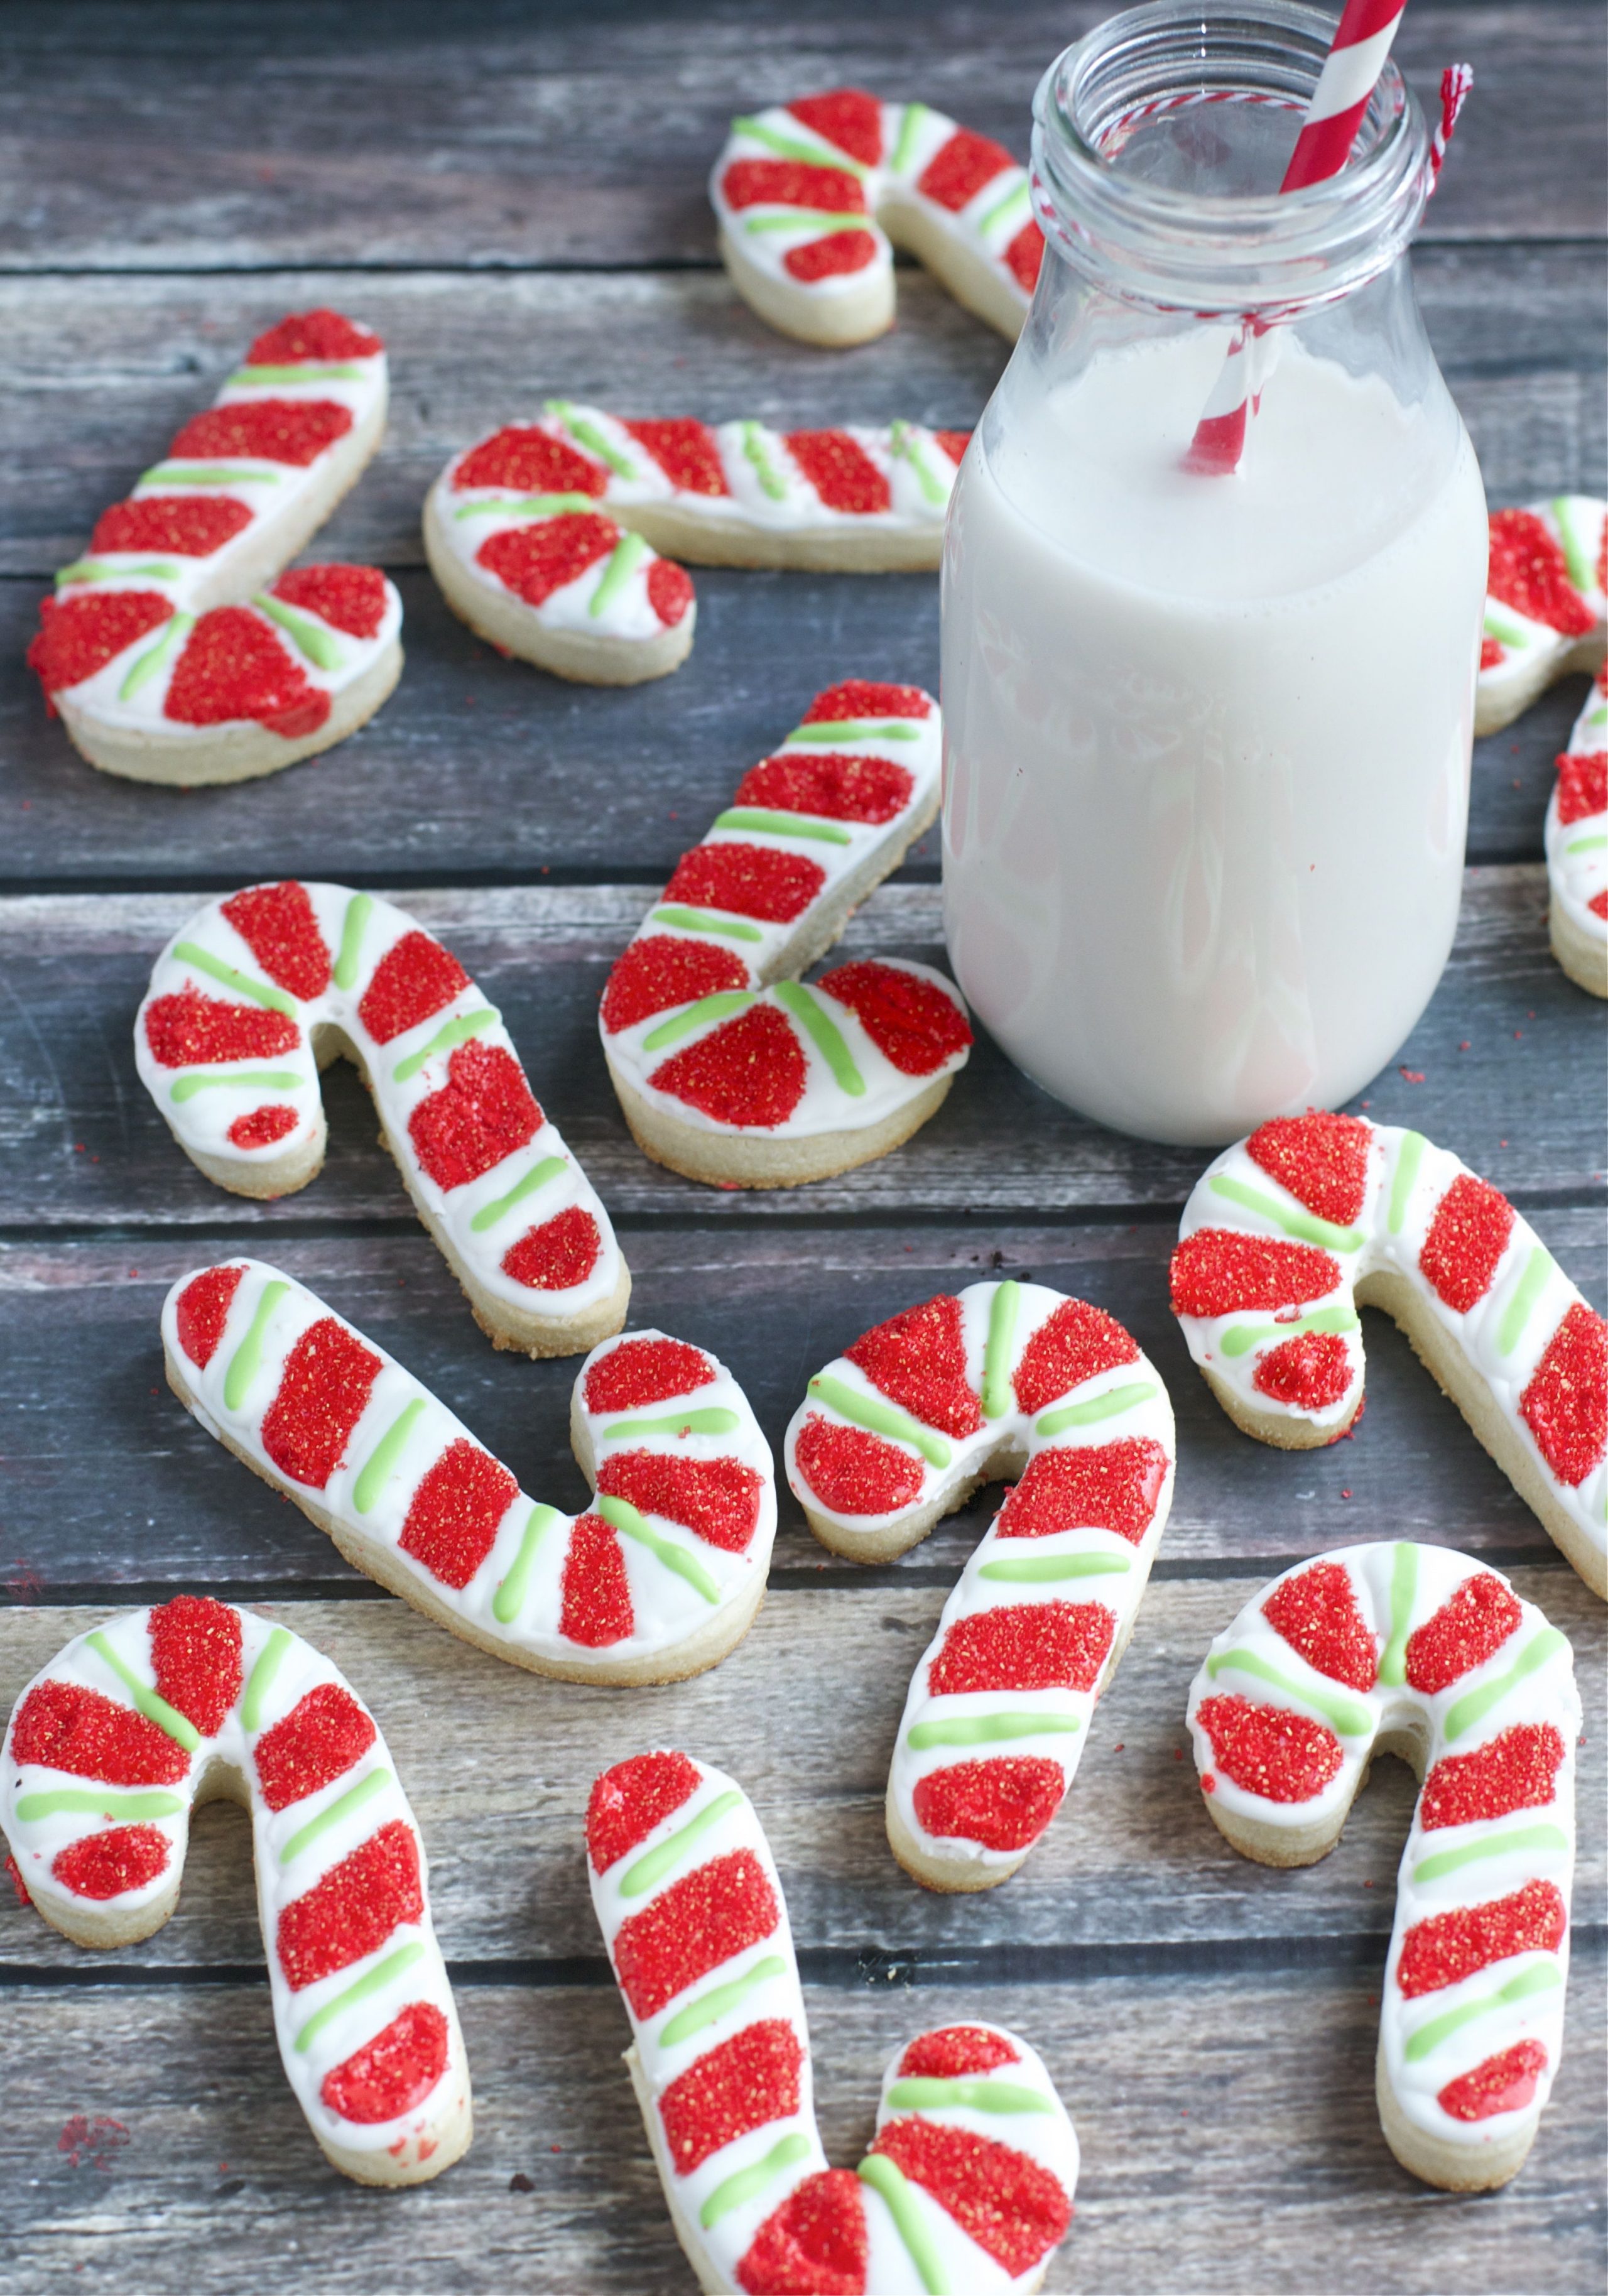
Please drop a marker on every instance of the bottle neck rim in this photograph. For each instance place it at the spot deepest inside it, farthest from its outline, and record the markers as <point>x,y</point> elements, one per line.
<point>1207,250</point>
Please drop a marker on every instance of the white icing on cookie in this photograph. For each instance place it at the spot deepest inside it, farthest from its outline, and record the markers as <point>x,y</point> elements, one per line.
<point>1524,653</point>
<point>1421,1651</point>
<point>812,197</point>
<point>1000,1703</point>
<point>1577,824</point>
<point>690,1904</point>
<point>309,970</point>
<point>99,1773</point>
<point>675,1544</point>
<point>1286,1233</point>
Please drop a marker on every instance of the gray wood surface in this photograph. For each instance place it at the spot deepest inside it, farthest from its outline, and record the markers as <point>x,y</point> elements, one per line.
<point>515,197</point>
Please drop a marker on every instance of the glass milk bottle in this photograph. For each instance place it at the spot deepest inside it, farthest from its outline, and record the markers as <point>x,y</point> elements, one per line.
<point>1207,737</point>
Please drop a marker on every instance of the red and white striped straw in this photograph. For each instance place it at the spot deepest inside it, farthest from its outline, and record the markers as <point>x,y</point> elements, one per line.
<point>1351,72</point>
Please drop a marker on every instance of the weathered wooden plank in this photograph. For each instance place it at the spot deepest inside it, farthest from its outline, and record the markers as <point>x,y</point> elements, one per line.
<point>1226,2123</point>
<point>1506,1067</point>
<point>100,373</point>
<point>209,137</point>
<point>498,1765</point>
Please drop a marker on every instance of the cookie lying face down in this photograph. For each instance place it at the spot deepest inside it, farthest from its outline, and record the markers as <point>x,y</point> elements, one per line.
<point>968,2183</point>
<point>1416,1651</point>
<point>657,1579</point>
<point>136,1722</point>
<point>811,198</point>
<point>175,650</point>
<point>256,993</point>
<point>1006,1379</point>
<point>728,1067</point>
<point>1285,1235</point>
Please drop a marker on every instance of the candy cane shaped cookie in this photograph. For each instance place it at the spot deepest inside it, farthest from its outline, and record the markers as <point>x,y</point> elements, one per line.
<point>1286,1234</point>
<point>813,197</point>
<point>1006,1379</point>
<point>968,2184</point>
<point>739,1082</point>
<point>176,650</point>
<point>256,993</point>
<point>658,1579</point>
<point>1418,1651</point>
<point>1545,611</point>
<point>136,1723</point>
<point>858,500</point>
<point>1577,847</point>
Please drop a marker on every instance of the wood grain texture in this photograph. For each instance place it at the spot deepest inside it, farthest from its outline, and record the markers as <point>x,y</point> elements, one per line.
<point>1505,1021</point>
<point>498,1764</point>
<point>152,1501</point>
<point>492,134</point>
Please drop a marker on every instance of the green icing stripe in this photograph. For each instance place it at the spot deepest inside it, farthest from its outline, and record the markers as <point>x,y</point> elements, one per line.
<point>990,1729</point>
<point>884,2176</point>
<point>509,1599</point>
<point>356,1798</point>
<point>923,2095</point>
<point>451,1033</point>
<point>901,440</point>
<point>526,506</point>
<point>1350,1719</point>
<point>823,1033</point>
<point>806,219</point>
<point>586,432</point>
<point>1044,1569</point>
<point>1306,1225</point>
<point>1540,1977</point>
<point>311,637</point>
<point>384,1973</point>
<point>303,371</point>
<point>1108,1405</point>
<point>270,1659</point>
<point>1593,844</point>
<point>879,1418</point>
<point>185,952</point>
<point>247,1356</point>
<point>538,1177</point>
<point>702,921</point>
<point>1478,1704</point>
<point>854,729</point>
<point>648,1872</point>
<point>1013,203</point>
<point>76,1801</point>
<point>1243,1337</point>
<point>623,1516</point>
<point>1499,625</point>
<point>747,2184</point>
<point>1005,1312</point>
<point>711,1419</point>
<point>788,147</point>
<point>909,130</point>
<point>205,474</point>
<point>753,449</point>
<point>385,1455</point>
<point>709,2007</point>
<point>358,911</point>
<point>90,569</point>
<point>167,1718</point>
<point>628,555</point>
<point>1403,1592</point>
<point>783,824</point>
<point>1529,1839</point>
<point>720,1006</point>
<point>1529,1289</point>
<point>237,1079</point>
<point>1410,1156</point>
<point>1577,549</point>
<point>141,672</point>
